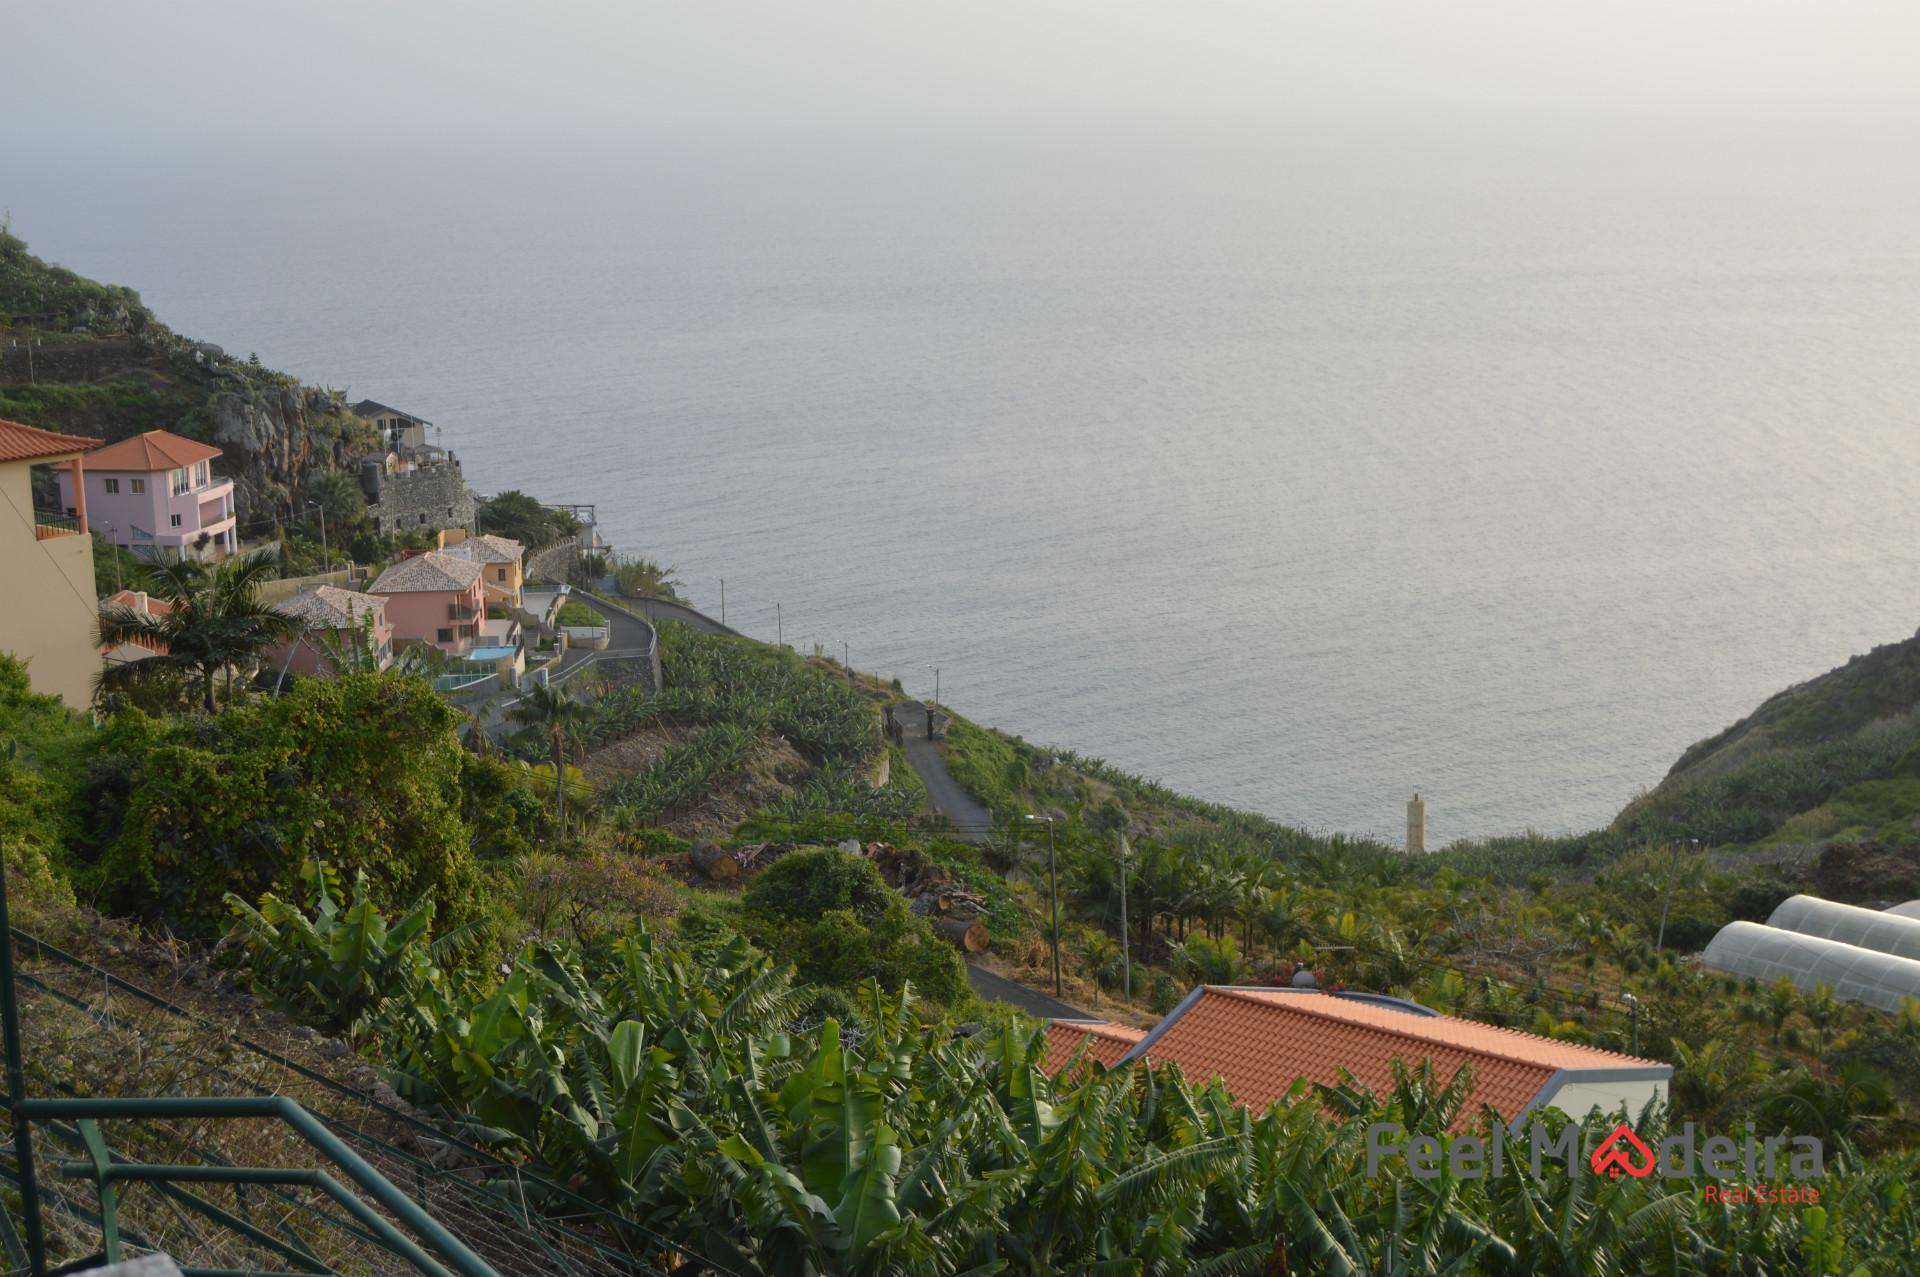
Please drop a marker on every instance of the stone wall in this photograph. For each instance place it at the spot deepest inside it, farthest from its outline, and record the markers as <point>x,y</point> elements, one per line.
<point>554,562</point>
<point>432,497</point>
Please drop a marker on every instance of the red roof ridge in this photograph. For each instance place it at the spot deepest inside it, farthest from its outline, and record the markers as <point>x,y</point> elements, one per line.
<point>1103,1029</point>
<point>1343,1008</point>
<point>139,452</point>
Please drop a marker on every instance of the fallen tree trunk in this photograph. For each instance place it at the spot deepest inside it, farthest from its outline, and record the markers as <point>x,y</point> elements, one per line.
<point>968,935</point>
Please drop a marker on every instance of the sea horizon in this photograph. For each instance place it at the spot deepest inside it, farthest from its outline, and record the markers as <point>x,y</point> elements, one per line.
<point>1293,478</point>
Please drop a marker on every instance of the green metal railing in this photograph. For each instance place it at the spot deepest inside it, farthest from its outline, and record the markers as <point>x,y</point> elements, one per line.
<point>482,1198</point>
<point>108,1172</point>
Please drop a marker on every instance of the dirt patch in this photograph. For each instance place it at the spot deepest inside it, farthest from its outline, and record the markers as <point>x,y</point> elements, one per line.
<point>774,771</point>
<point>633,753</point>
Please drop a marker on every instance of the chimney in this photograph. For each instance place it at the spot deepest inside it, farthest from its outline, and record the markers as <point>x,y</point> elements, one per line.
<point>1416,827</point>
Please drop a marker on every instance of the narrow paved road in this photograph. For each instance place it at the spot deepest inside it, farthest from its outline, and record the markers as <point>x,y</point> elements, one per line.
<point>662,610</point>
<point>997,988</point>
<point>970,817</point>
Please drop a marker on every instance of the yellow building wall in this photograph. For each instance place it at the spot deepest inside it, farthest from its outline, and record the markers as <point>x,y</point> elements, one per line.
<point>49,615</point>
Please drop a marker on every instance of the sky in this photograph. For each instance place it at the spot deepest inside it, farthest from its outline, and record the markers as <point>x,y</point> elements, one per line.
<point>94,71</point>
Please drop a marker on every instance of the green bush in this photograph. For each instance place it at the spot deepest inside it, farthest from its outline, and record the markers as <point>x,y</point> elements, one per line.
<point>810,882</point>
<point>835,919</point>
<point>363,772</point>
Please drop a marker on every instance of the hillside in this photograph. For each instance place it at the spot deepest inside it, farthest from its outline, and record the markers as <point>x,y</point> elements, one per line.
<point>90,358</point>
<point>1836,757</point>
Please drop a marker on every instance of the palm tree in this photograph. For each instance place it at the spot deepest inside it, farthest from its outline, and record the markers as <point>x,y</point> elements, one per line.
<point>216,622</point>
<point>559,718</point>
<point>361,655</point>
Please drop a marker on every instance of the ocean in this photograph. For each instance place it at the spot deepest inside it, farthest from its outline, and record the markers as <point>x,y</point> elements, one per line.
<point>1298,471</point>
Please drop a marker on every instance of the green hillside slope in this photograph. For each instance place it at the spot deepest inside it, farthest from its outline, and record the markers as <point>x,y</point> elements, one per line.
<point>90,358</point>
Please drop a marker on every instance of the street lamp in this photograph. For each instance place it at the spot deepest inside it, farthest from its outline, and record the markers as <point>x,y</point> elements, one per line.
<point>1053,892</point>
<point>936,686</point>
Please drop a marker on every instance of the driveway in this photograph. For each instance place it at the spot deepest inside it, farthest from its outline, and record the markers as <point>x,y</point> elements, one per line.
<point>970,818</point>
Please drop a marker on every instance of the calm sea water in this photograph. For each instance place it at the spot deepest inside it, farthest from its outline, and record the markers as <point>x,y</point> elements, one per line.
<point>1298,473</point>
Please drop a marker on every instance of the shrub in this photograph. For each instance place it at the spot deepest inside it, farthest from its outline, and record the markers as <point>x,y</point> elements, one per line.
<point>810,882</point>
<point>835,919</point>
<point>363,772</point>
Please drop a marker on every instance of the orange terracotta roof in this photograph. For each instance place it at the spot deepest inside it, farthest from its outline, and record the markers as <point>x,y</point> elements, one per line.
<point>1105,1042</point>
<point>31,443</point>
<point>138,601</point>
<point>146,453</point>
<point>1259,1041</point>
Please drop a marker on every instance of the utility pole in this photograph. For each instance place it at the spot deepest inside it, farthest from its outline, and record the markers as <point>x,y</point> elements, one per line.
<point>325,556</point>
<point>1633,1009</point>
<point>1126,956</point>
<point>846,659</point>
<point>113,548</point>
<point>779,627</point>
<point>723,600</point>
<point>16,1092</point>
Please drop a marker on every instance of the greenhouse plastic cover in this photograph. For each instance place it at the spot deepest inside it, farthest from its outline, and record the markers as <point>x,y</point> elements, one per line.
<point>1911,909</point>
<point>1849,924</point>
<point>1866,976</point>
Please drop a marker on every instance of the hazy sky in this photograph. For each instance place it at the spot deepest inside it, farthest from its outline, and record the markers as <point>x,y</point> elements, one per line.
<point>93,70</point>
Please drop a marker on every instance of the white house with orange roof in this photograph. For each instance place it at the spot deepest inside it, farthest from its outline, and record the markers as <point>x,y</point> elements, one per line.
<point>1258,1041</point>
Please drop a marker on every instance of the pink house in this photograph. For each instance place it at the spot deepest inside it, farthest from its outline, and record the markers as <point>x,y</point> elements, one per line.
<point>345,614</point>
<point>432,598</point>
<point>156,495</point>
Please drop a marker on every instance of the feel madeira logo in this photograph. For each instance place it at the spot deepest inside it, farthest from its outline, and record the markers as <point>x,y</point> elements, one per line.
<point>1755,1162</point>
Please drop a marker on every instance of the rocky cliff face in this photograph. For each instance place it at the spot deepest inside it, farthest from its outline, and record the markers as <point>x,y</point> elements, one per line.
<point>279,437</point>
<point>90,358</point>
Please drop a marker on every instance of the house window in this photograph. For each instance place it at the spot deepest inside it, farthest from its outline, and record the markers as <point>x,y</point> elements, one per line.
<point>466,631</point>
<point>138,486</point>
<point>180,482</point>
<point>200,475</point>
<point>444,635</point>
<point>113,487</point>
<point>499,574</point>
<point>175,520</point>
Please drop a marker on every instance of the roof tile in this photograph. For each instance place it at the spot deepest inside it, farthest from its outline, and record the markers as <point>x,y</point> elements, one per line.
<point>1106,1042</point>
<point>1258,1042</point>
<point>429,572</point>
<point>30,443</point>
<point>153,451</point>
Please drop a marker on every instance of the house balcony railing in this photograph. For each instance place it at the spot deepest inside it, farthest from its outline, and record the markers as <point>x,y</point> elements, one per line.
<point>463,612</point>
<point>48,524</point>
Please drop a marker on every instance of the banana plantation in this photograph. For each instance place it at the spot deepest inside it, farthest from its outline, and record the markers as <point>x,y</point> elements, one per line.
<point>684,1085</point>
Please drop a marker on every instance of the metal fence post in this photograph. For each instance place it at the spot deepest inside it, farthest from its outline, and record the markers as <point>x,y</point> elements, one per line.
<point>17,1092</point>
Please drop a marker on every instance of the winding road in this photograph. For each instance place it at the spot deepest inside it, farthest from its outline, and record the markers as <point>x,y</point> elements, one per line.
<point>971,819</point>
